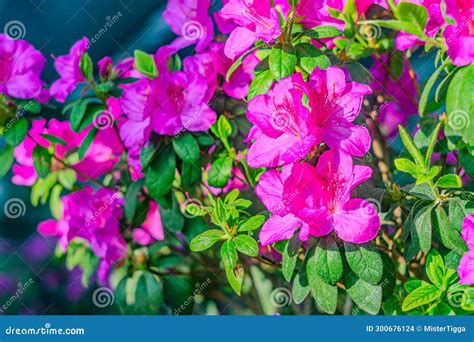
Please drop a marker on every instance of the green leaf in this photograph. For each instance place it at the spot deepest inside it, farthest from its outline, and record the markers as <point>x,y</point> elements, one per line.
<point>219,173</point>
<point>88,140</point>
<point>246,244</point>
<point>81,115</point>
<point>422,191</point>
<point>186,147</point>
<point>41,161</point>
<point>300,289</point>
<point>320,32</point>
<point>253,223</point>
<point>327,260</point>
<point>261,84</point>
<point>17,132</point>
<point>429,175</point>
<point>367,296</point>
<point>407,166</point>
<point>413,284</point>
<point>160,174</point>
<point>206,240</point>
<point>148,294</point>
<point>6,159</point>
<point>229,254</point>
<point>145,64</point>
<point>310,57</point>
<point>289,257</point>
<point>421,296</point>
<point>365,261</point>
<point>460,105</point>
<point>427,89</point>
<point>411,147</point>
<point>458,210</point>
<point>67,178</point>
<point>87,67</point>
<point>224,127</point>
<point>449,181</point>
<point>433,138</point>
<point>131,199</point>
<point>170,213</point>
<point>282,61</point>
<point>324,294</point>
<point>190,174</point>
<point>421,228</point>
<point>54,139</point>
<point>235,278</point>
<point>467,299</point>
<point>435,268</point>
<point>450,237</point>
<point>412,16</point>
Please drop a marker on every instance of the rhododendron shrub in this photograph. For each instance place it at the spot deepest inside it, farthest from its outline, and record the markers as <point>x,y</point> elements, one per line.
<point>273,148</point>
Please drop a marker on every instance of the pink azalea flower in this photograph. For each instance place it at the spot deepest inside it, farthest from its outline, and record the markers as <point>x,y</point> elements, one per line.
<point>69,70</point>
<point>317,201</point>
<point>254,20</point>
<point>289,130</point>
<point>94,217</point>
<point>466,266</point>
<point>435,21</point>
<point>460,37</point>
<point>21,66</point>
<point>190,20</point>
<point>99,159</point>
<point>170,103</point>
<point>152,229</point>
<point>123,68</point>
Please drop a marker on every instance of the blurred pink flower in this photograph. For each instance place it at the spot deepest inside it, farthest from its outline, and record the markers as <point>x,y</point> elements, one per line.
<point>69,70</point>
<point>466,266</point>
<point>94,217</point>
<point>190,20</point>
<point>100,158</point>
<point>21,66</point>
<point>152,229</point>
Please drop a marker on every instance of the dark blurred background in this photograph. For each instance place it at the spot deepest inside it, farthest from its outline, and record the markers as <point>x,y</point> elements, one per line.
<point>28,269</point>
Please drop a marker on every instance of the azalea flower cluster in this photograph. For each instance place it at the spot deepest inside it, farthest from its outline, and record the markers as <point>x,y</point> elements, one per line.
<point>150,135</point>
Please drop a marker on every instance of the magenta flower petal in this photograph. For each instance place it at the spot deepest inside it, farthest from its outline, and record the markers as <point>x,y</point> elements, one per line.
<point>466,269</point>
<point>468,231</point>
<point>278,228</point>
<point>358,222</point>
